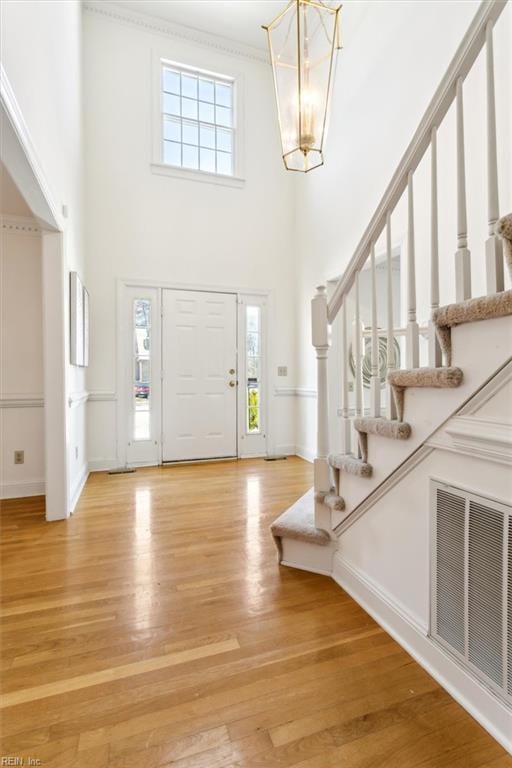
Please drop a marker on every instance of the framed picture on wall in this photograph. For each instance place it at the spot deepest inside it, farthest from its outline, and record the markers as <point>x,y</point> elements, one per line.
<point>79,321</point>
<point>86,326</point>
<point>76,330</point>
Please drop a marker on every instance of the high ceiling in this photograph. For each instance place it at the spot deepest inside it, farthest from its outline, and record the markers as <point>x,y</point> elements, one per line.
<point>238,20</point>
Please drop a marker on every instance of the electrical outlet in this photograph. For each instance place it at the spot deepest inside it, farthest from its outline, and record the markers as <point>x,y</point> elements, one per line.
<point>282,370</point>
<point>19,457</point>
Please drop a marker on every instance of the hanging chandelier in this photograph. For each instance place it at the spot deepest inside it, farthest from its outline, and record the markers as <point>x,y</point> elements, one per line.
<point>303,41</point>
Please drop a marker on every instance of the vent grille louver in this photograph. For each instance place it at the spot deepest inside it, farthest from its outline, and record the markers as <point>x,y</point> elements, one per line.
<point>450,571</point>
<point>472,584</point>
<point>485,590</point>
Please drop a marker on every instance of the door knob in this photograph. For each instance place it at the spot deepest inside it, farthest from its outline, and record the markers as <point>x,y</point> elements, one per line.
<point>232,384</point>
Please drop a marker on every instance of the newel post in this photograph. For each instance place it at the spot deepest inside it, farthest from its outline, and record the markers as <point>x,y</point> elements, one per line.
<point>321,342</point>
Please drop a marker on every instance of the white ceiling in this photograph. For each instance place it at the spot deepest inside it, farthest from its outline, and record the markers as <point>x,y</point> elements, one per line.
<point>238,20</point>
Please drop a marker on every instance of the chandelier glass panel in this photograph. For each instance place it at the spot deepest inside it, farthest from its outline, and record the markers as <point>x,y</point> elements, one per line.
<point>303,42</point>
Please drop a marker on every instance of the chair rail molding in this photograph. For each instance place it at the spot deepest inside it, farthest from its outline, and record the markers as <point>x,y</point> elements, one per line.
<point>101,396</point>
<point>21,400</point>
<point>294,392</point>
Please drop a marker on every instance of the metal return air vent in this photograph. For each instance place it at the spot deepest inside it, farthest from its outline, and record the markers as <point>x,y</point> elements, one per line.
<point>471,589</point>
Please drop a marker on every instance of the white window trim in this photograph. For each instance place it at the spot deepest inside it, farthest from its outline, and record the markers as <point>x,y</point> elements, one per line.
<point>163,169</point>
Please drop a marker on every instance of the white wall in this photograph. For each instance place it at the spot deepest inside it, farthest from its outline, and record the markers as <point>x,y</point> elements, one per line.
<point>21,377</point>
<point>387,73</point>
<point>153,227</point>
<point>41,55</point>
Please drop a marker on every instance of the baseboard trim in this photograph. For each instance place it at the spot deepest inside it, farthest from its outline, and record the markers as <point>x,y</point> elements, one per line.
<point>21,490</point>
<point>319,571</point>
<point>479,701</point>
<point>103,465</point>
<point>79,486</point>
<point>305,453</point>
<point>285,449</point>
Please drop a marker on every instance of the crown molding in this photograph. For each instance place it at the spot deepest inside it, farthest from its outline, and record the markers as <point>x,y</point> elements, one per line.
<point>25,224</point>
<point>154,24</point>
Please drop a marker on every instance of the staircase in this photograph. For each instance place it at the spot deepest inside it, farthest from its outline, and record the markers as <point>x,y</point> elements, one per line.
<point>410,511</point>
<point>377,439</point>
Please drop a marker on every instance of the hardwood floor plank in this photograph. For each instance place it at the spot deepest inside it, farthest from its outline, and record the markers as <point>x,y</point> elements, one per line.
<point>154,628</point>
<point>115,673</point>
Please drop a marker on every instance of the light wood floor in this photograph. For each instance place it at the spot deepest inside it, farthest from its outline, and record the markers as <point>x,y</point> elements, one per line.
<point>154,628</point>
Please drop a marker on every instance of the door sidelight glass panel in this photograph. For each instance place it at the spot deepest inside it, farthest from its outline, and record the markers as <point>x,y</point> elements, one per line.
<point>141,369</point>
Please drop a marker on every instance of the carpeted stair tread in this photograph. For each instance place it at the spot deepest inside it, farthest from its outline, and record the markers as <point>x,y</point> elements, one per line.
<point>469,311</point>
<point>445,377</point>
<point>298,522</point>
<point>473,310</point>
<point>392,428</point>
<point>331,500</point>
<point>350,465</point>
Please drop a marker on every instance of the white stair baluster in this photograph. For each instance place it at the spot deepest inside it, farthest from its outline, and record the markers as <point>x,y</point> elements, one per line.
<point>390,335</point>
<point>321,342</point>
<point>375,378</point>
<point>358,362</point>
<point>494,244</point>
<point>434,348</point>
<point>345,407</point>
<point>413,338</point>
<point>462,255</point>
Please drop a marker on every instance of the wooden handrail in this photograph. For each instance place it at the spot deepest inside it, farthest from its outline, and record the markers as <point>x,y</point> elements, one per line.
<point>474,40</point>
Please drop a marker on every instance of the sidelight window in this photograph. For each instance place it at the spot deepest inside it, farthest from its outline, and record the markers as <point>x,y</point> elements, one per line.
<point>253,372</point>
<point>141,393</point>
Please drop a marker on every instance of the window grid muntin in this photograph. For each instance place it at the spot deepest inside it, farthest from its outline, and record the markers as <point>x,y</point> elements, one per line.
<point>216,126</point>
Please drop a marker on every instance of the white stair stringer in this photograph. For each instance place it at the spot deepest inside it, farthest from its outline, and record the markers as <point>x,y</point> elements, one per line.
<point>480,349</point>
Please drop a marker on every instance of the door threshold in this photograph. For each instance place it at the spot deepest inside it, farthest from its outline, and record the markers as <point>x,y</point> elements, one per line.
<point>184,462</point>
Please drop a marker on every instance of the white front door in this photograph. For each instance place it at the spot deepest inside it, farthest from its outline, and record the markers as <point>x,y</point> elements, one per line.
<point>199,388</point>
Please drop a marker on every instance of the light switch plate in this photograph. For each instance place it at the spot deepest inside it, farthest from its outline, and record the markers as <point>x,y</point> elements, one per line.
<point>282,370</point>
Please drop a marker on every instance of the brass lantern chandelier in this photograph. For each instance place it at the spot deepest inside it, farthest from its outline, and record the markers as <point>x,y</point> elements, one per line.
<point>303,42</point>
